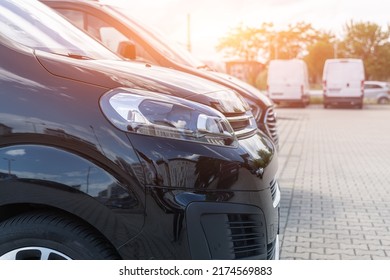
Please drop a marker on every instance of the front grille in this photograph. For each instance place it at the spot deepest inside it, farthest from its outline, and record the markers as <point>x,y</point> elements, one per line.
<point>271,125</point>
<point>273,187</point>
<point>243,125</point>
<point>227,231</point>
<point>240,123</point>
<point>271,250</point>
<point>247,235</point>
<point>275,193</point>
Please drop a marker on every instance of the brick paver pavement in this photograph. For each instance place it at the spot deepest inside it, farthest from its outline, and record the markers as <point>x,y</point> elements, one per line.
<point>335,180</point>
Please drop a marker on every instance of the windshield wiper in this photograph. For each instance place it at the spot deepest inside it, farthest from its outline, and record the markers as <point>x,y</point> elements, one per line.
<point>74,55</point>
<point>78,56</point>
<point>204,66</point>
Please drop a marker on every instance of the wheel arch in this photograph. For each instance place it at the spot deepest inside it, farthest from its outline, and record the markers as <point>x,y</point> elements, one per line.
<point>383,98</point>
<point>17,197</point>
<point>9,211</point>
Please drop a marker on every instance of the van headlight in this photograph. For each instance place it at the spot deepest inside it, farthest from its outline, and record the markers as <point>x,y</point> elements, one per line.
<point>152,114</point>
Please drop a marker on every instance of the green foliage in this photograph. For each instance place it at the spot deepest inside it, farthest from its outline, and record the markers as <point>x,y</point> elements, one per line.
<point>315,59</point>
<point>364,40</point>
<point>261,80</point>
<point>292,42</point>
<point>245,42</point>
<point>367,40</point>
<point>266,43</point>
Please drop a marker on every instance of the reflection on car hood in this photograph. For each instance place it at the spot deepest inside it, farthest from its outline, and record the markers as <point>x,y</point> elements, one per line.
<point>250,90</point>
<point>112,74</point>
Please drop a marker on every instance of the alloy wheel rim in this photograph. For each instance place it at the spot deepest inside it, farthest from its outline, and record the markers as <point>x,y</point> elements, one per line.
<point>34,253</point>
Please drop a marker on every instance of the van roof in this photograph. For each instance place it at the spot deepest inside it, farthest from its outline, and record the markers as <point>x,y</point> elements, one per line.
<point>344,60</point>
<point>295,60</point>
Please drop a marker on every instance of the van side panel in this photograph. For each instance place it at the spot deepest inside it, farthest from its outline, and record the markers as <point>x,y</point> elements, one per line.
<point>288,80</point>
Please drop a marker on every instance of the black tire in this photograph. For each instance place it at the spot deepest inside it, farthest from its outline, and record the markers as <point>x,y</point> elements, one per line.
<point>46,235</point>
<point>326,105</point>
<point>383,100</point>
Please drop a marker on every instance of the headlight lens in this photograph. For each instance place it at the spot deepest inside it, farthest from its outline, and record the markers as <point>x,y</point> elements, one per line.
<point>169,117</point>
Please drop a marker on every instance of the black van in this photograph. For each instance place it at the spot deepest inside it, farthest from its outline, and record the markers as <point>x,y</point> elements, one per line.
<point>126,36</point>
<point>107,159</point>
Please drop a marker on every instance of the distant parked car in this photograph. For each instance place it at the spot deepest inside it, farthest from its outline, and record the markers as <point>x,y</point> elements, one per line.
<point>377,91</point>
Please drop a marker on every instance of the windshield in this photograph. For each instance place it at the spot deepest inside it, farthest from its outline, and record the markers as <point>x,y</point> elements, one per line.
<point>285,72</point>
<point>159,42</point>
<point>34,25</point>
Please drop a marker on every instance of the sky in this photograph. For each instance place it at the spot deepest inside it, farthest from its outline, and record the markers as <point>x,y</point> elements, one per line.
<point>211,20</point>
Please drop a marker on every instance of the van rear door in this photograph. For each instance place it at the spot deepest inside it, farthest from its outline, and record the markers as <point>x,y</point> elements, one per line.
<point>344,78</point>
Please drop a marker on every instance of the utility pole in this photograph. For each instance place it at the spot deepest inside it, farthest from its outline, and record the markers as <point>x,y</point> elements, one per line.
<point>276,46</point>
<point>189,32</point>
<point>9,164</point>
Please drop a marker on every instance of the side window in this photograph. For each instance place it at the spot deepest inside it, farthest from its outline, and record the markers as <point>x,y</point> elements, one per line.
<point>372,86</point>
<point>75,17</point>
<point>111,37</point>
<point>100,30</point>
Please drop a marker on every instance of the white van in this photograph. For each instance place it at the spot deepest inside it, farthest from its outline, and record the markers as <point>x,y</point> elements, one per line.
<point>288,81</point>
<point>343,82</point>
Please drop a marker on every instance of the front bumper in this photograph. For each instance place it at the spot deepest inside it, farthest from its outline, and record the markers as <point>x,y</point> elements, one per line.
<point>277,248</point>
<point>351,100</point>
<point>234,231</point>
<point>208,202</point>
<point>279,99</point>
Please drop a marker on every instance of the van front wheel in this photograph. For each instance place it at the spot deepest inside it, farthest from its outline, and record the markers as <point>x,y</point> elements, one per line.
<point>50,236</point>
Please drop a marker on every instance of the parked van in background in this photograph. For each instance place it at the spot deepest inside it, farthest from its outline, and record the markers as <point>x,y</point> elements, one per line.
<point>343,82</point>
<point>103,158</point>
<point>114,27</point>
<point>288,81</point>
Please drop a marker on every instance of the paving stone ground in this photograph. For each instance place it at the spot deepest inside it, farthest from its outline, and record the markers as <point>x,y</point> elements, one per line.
<point>334,173</point>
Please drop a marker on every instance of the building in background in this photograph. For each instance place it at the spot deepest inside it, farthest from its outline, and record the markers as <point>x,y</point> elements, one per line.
<point>244,70</point>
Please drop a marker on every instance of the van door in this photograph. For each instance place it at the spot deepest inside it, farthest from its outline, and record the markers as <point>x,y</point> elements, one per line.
<point>344,78</point>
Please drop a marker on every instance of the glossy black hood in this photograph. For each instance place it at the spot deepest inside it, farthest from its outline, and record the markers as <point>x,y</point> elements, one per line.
<point>251,91</point>
<point>111,74</point>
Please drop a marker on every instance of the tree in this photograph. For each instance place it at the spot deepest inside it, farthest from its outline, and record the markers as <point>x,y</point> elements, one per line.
<point>380,68</point>
<point>245,42</point>
<point>367,40</point>
<point>364,40</point>
<point>266,43</point>
<point>293,41</point>
<point>318,52</point>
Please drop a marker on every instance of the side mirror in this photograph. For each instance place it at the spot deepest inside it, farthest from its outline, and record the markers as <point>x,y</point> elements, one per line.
<point>127,50</point>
